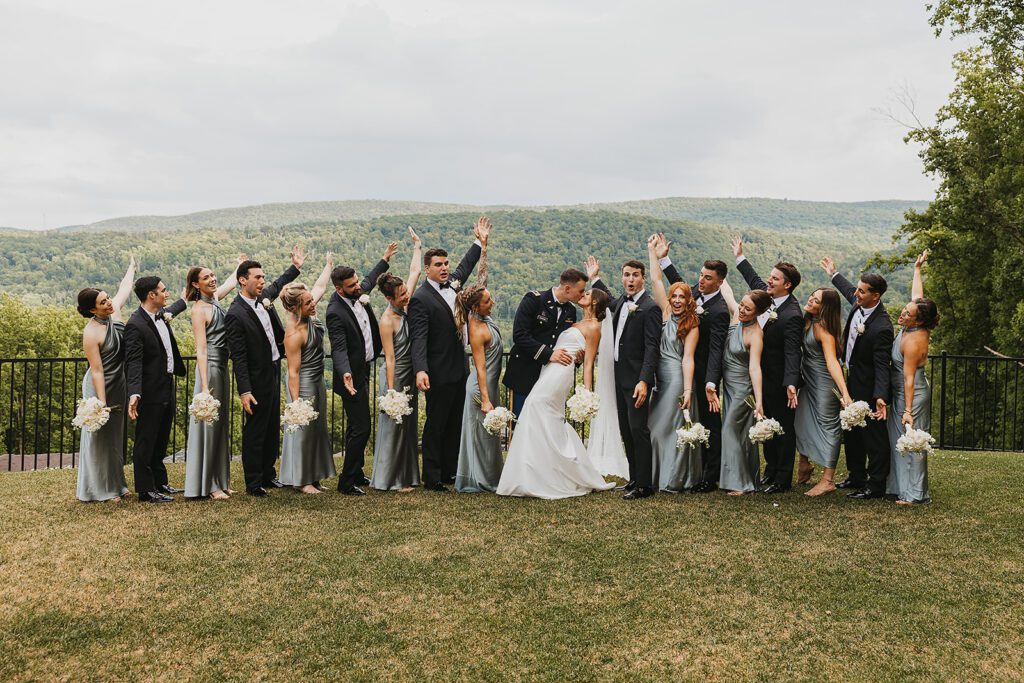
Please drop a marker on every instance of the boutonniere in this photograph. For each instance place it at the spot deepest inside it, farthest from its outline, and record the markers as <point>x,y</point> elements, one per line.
<point>168,317</point>
<point>772,315</point>
<point>699,311</point>
<point>455,285</point>
<point>267,303</point>
<point>860,328</point>
<point>365,299</point>
<point>632,310</point>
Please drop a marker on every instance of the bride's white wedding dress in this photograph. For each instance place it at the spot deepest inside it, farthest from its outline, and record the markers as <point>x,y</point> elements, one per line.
<point>547,458</point>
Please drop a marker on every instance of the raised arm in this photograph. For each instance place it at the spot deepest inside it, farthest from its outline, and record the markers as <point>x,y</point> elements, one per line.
<point>482,229</point>
<point>657,283</point>
<point>124,290</point>
<point>593,269</point>
<point>481,272</point>
<point>230,281</point>
<point>320,286</point>
<point>845,287</point>
<point>416,266</point>
<point>661,246</point>
<point>917,286</point>
<point>370,281</point>
<point>273,290</point>
<point>730,302</point>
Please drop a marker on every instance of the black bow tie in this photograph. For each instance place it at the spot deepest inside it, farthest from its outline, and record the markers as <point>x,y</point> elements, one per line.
<point>445,285</point>
<point>629,298</point>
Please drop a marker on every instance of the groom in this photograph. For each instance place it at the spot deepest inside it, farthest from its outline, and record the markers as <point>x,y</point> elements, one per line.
<point>256,341</point>
<point>439,358</point>
<point>636,321</point>
<point>540,318</point>
<point>780,363</point>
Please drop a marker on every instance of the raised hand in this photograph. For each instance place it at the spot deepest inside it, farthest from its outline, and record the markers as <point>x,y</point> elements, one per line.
<point>482,229</point>
<point>593,267</point>
<point>329,261</point>
<point>661,245</point>
<point>132,265</point>
<point>737,246</point>
<point>922,259</point>
<point>298,256</point>
<point>241,258</point>
<point>389,251</point>
<point>829,265</point>
<point>416,241</point>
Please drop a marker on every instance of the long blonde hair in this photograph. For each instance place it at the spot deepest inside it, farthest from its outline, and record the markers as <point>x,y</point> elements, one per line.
<point>468,299</point>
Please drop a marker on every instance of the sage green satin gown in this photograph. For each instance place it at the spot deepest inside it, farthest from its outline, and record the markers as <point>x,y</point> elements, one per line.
<point>207,460</point>
<point>306,455</point>
<point>818,431</point>
<point>673,470</point>
<point>101,453</point>
<point>395,456</point>
<point>908,473</point>
<point>480,462</point>
<point>740,459</point>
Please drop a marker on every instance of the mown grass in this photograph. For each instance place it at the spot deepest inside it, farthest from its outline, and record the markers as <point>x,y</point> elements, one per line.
<point>427,586</point>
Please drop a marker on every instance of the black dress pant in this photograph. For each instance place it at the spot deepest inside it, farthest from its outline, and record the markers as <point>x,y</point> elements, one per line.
<point>442,432</point>
<point>636,436</point>
<point>152,432</point>
<point>357,434</point>
<point>780,452</point>
<point>261,434</point>
<point>867,455</point>
<point>713,421</point>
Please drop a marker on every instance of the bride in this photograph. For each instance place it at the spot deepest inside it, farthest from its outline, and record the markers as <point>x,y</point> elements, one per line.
<point>547,458</point>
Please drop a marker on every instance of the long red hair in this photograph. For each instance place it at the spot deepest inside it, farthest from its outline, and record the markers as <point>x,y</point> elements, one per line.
<point>688,318</point>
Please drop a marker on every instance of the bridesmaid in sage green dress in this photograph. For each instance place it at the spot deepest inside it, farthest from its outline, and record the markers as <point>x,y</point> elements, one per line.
<point>818,432</point>
<point>912,394</point>
<point>207,460</point>
<point>673,470</point>
<point>101,453</point>
<point>395,453</point>
<point>306,455</point>
<point>741,377</point>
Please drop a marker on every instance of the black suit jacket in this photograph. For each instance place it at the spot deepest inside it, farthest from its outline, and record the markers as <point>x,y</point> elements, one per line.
<point>714,326</point>
<point>868,370</point>
<point>437,347</point>
<point>146,358</point>
<point>348,345</point>
<point>247,342</point>
<point>783,337</point>
<point>640,343</point>
<point>534,333</point>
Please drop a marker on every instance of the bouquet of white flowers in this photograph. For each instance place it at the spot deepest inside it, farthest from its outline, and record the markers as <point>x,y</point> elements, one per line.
<point>396,404</point>
<point>854,415</point>
<point>91,415</point>
<point>692,434</point>
<point>583,404</point>
<point>498,419</point>
<point>915,441</point>
<point>765,429</point>
<point>204,408</point>
<point>298,414</point>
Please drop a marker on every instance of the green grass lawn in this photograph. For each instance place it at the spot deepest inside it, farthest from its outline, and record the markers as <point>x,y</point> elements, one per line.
<point>475,587</point>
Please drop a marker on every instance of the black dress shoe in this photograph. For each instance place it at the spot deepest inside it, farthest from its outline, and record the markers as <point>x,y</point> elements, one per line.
<point>274,484</point>
<point>639,492</point>
<point>766,480</point>
<point>154,497</point>
<point>363,481</point>
<point>628,486</point>
<point>168,489</point>
<point>704,487</point>
<point>259,492</point>
<point>773,488</point>
<point>353,491</point>
<point>435,486</point>
<point>849,484</point>
<point>865,494</point>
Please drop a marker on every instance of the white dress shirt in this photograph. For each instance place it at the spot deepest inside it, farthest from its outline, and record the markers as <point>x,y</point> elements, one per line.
<point>363,318</point>
<point>165,338</point>
<point>623,316</point>
<point>859,317</point>
<point>762,319</point>
<point>264,317</point>
<point>558,305</point>
<point>447,293</point>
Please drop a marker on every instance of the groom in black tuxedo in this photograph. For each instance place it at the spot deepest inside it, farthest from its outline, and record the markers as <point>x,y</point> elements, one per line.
<point>256,342</point>
<point>151,362</point>
<point>713,314</point>
<point>866,353</point>
<point>355,343</point>
<point>540,318</point>
<point>783,326</point>
<point>439,358</point>
<point>636,321</point>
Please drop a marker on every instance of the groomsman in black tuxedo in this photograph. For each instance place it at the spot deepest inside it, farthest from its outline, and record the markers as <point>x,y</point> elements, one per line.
<point>713,314</point>
<point>355,343</point>
<point>867,350</point>
<point>783,325</point>
<point>151,362</point>
<point>439,357</point>
<point>256,342</point>
<point>540,318</point>
<point>636,320</point>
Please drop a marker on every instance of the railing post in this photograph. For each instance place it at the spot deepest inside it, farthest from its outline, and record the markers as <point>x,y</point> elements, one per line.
<point>942,401</point>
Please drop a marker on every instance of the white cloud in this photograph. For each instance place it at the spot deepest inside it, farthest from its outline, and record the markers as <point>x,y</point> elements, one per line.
<point>115,107</point>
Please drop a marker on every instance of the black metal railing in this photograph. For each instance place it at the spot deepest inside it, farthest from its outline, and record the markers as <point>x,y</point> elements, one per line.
<point>977,404</point>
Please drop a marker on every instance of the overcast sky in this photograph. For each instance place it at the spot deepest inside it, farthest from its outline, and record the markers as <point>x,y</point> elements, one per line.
<point>120,107</point>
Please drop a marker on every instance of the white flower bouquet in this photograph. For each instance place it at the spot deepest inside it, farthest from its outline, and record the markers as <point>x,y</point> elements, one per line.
<point>298,414</point>
<point>204,408</point>
<point>91,414</point>
<point>915,441</point>
<point>765,429</point>
<point>498,419</point>
<point>692,434</point>
<point>396,404</point>
<point>583,404</point>
<point>854,415</point>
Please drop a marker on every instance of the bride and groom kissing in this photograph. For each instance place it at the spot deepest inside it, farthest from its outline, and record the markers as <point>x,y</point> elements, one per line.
<point>621,337</point>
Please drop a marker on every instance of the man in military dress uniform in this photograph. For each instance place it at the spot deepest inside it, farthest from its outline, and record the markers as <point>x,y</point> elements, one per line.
<point>540,318</point>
